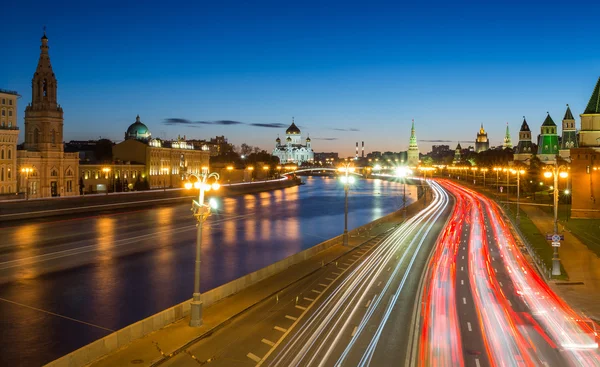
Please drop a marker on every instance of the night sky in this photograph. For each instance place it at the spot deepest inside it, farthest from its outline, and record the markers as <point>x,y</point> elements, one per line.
<point>334,66</point>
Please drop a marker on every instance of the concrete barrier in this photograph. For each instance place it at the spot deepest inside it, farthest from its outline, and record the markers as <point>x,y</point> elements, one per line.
<point>124,336</point>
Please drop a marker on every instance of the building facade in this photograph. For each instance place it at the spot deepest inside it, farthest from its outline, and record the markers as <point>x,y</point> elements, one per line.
<point>165,163</point>
<point>457,155</point>
<point>45,170</point>
<point>9,134</point>
<point>589,135</point>
<point>482,143</point>
<point>412,155</point>
<point>585,182</point>
<point>292,150</point>
<point>524,149</point>
<point>548,142</point>
<point>569,136</point>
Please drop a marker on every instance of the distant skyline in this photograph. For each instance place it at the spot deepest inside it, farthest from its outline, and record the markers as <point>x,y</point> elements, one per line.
<point>346,72</point>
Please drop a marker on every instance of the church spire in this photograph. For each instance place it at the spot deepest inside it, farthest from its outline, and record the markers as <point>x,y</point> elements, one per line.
<point>507,139</point>
<point>44,83</point>
<point>593,106</point>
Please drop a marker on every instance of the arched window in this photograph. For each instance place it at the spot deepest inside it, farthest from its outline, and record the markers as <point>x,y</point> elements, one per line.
<point>53,173</point>
<point>2,154</point>
<point>44,88</point>
<point>9,175</point>
<point>9,154</point>
<point>2,174</point>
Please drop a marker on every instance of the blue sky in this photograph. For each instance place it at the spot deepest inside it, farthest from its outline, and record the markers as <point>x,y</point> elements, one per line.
<point>371,66</point>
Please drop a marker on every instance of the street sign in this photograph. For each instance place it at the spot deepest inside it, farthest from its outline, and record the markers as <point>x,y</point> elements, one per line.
<point>555,244</point>
<point>555,237</point>
<point>501,188</point>
<point>548,237</point>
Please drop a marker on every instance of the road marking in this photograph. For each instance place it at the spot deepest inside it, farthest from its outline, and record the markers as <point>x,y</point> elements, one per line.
<point>477,362</point>
<point>463,247</point>
<point>309,299</point>
<point>462,268</point>
<point>338,274</point>
<point>347,264</point>
<point>280,329</point>
<point>368,303</point>
<point>500,284</point>
<point>356,255</point>
<point>354,331</point>
<point>469,326</point>
<point>378,284</point>
<point>300,307</point>
<point>493,258</point>
<point>330,279</point>
<point>323,285</point>
<point>268,342</point>
<point>463,257</point>
<point>462,282</point>
<point>464,301</point>
<point>496,270</point>
<point>291,317</point>
<point>253,357</point>
<point>316,291</point>
<point>390,268</point>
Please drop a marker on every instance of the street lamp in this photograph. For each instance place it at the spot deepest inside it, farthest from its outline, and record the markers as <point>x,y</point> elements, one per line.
<point>106,170</point>
<point>201,212</point>
<point>484,170</point>
<point>556,171</point>
<point>26,171</point>
<point>518,172</point>
<point>497,170</point>
<point>346,179</point>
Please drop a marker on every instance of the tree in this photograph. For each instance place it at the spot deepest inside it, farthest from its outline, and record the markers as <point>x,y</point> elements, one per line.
<point>245,149</point>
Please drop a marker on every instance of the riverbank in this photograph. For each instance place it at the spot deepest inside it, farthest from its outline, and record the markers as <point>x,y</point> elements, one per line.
<point>159,336</point>
<point>38,208</point>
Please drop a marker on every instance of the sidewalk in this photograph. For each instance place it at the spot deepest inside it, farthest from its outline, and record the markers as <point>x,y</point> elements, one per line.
<point>581,264</point>
<point>173,338</point>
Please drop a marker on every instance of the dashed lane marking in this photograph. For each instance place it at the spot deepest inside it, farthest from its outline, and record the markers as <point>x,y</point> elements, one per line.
<point>337,274</point>
<point>378,284</point>
<point>309,299</point>
<point>462,282</point>
<point>280,329</point>
<point>368,303</point>
<point>268,342</point>
<point>496,270</point>
<point>323,285</point>
<point>253,357</point>
<point>463,257</point>
<point>477,362</point>
<point>462,268</point>
<point>500,284</point>
<point>354,331</point>
<point>316,291</point>
<point>300,307</point>
<point>464,301</point>
<point>330,279</point>
<point>390,268</point>
<point>469,326</point>
<point>291,317</point>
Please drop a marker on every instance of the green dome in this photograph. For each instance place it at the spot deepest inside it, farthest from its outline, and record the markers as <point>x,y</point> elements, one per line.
<point>137,130</point>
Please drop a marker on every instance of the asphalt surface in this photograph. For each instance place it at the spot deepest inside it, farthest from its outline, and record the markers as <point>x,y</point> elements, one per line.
<point>353,312</point>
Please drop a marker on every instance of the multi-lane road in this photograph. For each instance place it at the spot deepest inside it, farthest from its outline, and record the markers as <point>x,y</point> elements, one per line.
<point>485,305</point>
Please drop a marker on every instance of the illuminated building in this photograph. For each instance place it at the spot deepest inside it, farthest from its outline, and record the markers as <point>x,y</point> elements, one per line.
<point>292,150</point>
<point>548,141</point>
<point>482,143</point>
<point>413,149</point>
<point>524,149</point>
<point>569,135</point>
<point>9,134</point>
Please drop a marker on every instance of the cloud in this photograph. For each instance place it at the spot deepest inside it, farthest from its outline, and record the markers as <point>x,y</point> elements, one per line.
<point>227,122</point>
<point>176,121</point>
<point>268,125</point>
<point>351,129</point>
<point>324,138</point>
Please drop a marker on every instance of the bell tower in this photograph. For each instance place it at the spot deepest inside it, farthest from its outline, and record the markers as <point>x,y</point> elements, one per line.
<point>44,116</point>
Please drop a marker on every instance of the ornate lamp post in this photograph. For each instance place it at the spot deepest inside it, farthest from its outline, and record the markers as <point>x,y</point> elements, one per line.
<point>556,171</point>
<point>201,212</point>
<point>346,179</point>
<point>474,170</point>
<point>497,170</point>
<point>26,172</point>
<point>484,170</point>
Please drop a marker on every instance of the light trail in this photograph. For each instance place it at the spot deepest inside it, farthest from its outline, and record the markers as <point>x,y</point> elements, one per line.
<point>315,341</point>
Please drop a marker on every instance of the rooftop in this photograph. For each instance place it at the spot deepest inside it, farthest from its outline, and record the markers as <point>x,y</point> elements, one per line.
<point>6,91</point>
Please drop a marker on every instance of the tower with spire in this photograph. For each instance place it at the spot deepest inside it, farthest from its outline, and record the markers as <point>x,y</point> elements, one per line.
<point>507,141</point>
<point>55,172</point>
<point>569,135</point>
<point>457,154</point>
<point>524,149</point>
<point>482,143</point>
<point>548,141</point>
<point>589,135</point>
<point>412,156</point>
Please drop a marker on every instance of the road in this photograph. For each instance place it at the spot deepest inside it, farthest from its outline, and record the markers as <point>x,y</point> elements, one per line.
<point>66,282</point>
<point>354,312</point>
<point>486,306</point>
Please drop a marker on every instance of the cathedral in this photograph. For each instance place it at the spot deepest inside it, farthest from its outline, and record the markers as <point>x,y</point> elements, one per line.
<point>293,151</point>
<point>45,169</point>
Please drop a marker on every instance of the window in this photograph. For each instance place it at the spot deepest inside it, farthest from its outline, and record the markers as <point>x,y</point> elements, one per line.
<point>10,124</point>
<point>9,174</point>
<point>2,154</point>
<point>10,102</point>
<point>53,173</point>
<point>2,174</point>
<point>69,186</point>
<point>34,188</point>
<point>9,154</point>
<point>3,101</point>
<point>3,112</point>
<point>45,88</point>
<point>10,113</point>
